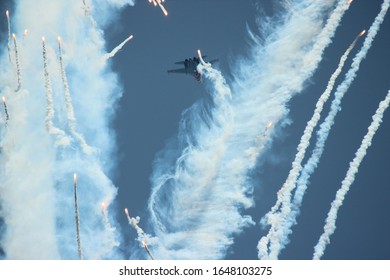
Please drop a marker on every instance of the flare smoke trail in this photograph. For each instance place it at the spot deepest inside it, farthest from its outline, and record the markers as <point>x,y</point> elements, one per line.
<point>18,73</point>
<point>69,106</point>
<point>147,250</point>
<point>217,144</point>
<point>308,169</point>
<point>36,167</point>
<point>104,213</point>
<point>222,120</point>
<point>108,227</point>
<point>325,127</point>
<point>282,216</point>
<point>61,138</point>
<point>87,13</point>
<point>143,238</point>
<point>9,35</point>
<point>76,213</point>
<point>330,223</point>
<point>5,111</point>
<point>324,38</point>
<point>118,48</point>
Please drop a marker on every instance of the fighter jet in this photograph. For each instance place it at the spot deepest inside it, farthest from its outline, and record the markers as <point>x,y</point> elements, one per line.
<point>190,65</point>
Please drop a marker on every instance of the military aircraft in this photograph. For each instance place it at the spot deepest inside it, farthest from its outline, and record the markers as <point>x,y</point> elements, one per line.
<point>190,65</point>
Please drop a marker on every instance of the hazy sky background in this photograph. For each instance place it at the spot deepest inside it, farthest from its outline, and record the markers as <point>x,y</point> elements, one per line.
<point>153,101</point>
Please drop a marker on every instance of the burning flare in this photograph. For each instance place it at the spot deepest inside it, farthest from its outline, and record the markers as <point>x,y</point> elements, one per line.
<point>158,2</point>
<point>147,250</point>
<point>202,61</point>
<point>104,209</point>
<point>75,179</point>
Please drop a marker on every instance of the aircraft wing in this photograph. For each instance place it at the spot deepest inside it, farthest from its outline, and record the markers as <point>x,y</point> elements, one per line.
<point>181,70</point>
<point>212,61</point>
<point>183,62</point>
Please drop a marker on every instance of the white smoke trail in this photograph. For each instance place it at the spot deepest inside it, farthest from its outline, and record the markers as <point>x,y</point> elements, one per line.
<point>104,215</point>
<point>34,172</point>
<point>121,3</point>
<point>61,138</point>
<point>282,216</point>
<point>325,37</point>
<point>18,72</point>
<point>69,106</point>
<point>330,223</point>
<point>9,35</point>
<point>87,13</point>
<point>108,228</point>
<point>142,237</point>
<point>221,120</point>
<point>217,142</point>
<point>26,191</point>
<point>77,218</point>
<point>5,111</point>
<point>134,223</point>
<point>308,169</point>
<point>118,48</point>
<point>325,127</point>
